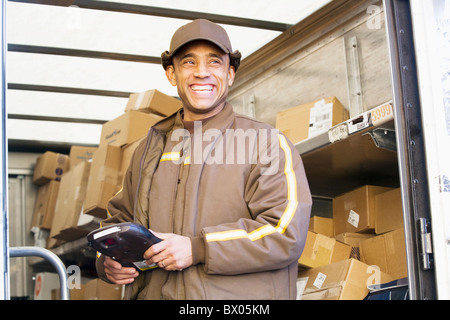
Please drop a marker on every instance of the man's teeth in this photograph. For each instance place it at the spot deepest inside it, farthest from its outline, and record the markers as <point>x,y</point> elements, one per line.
<point>202,88</point>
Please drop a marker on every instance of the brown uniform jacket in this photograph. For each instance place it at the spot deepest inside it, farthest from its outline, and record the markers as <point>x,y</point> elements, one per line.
<point>237,188</point>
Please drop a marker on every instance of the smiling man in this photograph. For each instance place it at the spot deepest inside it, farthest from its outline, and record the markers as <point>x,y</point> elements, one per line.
<point>202,74</point>
<point>231,229</point>
<point>202,65</point>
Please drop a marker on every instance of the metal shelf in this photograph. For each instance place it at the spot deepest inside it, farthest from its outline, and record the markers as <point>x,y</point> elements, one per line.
<point>354,159</point>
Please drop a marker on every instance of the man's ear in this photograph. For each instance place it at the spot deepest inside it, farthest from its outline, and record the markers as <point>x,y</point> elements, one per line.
<point>170,74</point>
<point>231,75</point>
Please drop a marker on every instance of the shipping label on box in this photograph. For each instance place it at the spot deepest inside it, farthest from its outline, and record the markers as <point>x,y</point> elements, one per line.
<point>320,118</point>
<point>353,218</point>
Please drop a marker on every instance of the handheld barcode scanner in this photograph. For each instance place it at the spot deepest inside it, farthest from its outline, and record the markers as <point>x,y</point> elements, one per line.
<point>125,243</point>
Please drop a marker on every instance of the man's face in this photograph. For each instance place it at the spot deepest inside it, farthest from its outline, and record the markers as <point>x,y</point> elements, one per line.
<point>202,74</point>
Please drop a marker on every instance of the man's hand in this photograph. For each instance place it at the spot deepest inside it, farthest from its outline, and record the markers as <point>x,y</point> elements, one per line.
<point>118,274</point>
<point>174,253</point>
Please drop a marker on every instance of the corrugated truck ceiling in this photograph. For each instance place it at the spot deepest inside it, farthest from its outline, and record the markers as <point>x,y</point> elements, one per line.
<point>71,65</point>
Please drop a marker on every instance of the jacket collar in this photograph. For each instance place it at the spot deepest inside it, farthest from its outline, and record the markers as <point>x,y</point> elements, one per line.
<point>219,121</point>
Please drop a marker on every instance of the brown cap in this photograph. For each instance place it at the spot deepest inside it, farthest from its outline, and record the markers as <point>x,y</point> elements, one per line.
<point>201,29</point>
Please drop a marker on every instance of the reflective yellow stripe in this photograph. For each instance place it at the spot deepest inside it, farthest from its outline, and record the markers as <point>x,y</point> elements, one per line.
<point>288,213</point>
<point>261,232</point>
<point>226,235</point>
<point>292,187</point>
<point>174,156</point>
<point>170,156</point>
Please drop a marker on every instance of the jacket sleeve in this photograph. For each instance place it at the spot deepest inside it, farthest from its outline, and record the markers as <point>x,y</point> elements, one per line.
<point>280,205</point>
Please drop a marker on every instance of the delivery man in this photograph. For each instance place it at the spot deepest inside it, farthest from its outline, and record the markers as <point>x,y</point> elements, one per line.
<point>227,194</point>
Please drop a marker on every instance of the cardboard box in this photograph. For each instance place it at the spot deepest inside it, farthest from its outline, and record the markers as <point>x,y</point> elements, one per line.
<point>77,294</point>
<point>343,280</point>
<point>353,239</point>
<point>354,211</point>
<point>388,211</point>
<point>86,223</point>
<point>321,225</point>
<point>103,182</point>
<point>50,166</point>
<point>127,154</point>
<point>310,119</point>
<point>388,252</point>
<point>97,289</point>
<point>44,283</point>
<point>69,204</point>
<point>76,288</point>
<point>153,101</point>
<point>78,154</point>
<point>320,250</point>
<point>44,208</point>
<point>127,128</point>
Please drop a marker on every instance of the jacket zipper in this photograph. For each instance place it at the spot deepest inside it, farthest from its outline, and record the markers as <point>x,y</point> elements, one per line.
<point>180,168</point>
<point>180,175</point>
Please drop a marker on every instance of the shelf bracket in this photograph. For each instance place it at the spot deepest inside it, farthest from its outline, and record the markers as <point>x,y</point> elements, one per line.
<point>353,76</point>
<point>383,138</point>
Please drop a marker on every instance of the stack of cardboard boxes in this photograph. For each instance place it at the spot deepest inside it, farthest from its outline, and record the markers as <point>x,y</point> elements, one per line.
<point>75,189</point>
<point>119,138</point>
<point>48,172</point>
<point>362,244</point>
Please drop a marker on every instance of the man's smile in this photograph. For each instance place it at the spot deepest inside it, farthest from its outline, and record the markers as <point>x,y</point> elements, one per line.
<point>202,88</point>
